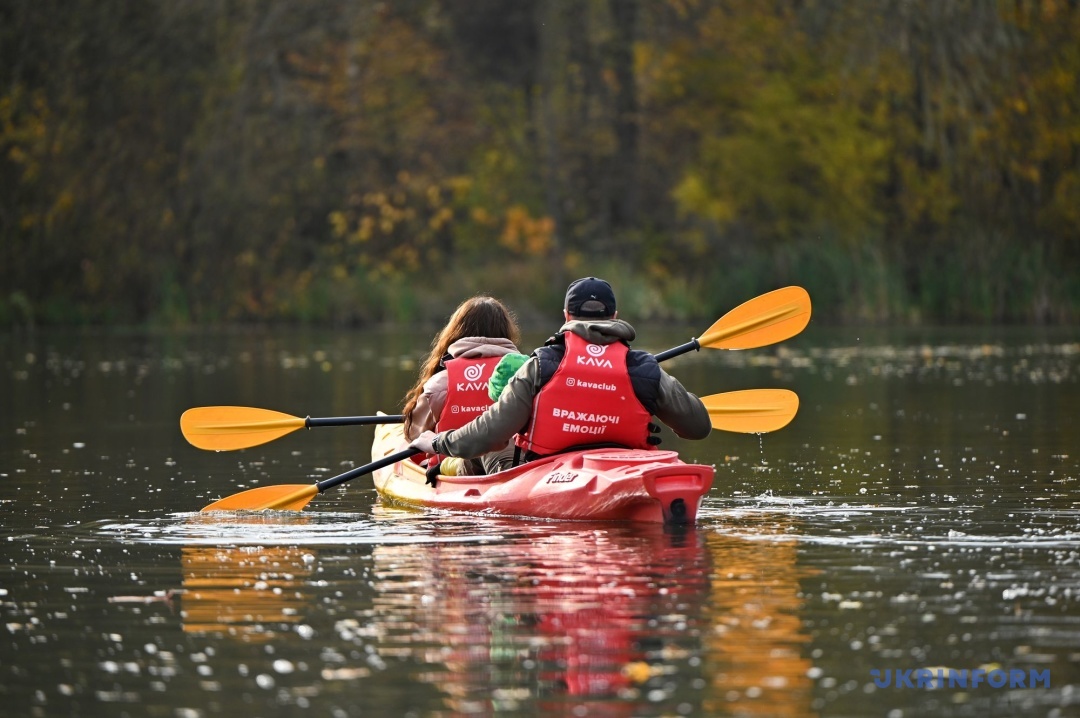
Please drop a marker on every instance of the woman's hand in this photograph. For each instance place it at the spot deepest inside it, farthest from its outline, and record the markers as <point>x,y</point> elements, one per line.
<point>425,442</point>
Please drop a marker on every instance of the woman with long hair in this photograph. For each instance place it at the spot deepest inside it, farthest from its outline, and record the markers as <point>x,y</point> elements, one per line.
<point>479,332</point>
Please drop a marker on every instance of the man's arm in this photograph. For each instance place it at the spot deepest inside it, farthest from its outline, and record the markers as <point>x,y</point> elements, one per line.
<point>681,410</point>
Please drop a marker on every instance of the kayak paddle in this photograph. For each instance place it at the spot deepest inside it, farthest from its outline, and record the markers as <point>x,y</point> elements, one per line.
<point>294,497</point>
<point>224,428</point>
<point>758,322</point>
<point>751,411</point>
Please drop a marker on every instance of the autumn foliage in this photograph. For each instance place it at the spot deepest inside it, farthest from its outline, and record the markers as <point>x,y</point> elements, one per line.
<point>354,162</point>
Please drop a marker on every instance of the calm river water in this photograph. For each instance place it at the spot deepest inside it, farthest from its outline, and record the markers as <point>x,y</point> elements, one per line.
<point>921,512</point>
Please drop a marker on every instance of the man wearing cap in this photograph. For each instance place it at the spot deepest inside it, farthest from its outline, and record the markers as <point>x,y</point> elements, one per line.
<point>584,386</point>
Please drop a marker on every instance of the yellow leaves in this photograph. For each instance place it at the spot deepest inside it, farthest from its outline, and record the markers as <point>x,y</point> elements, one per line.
<point>24,124</point>
<point>682,8</point>
<point>441,218</point>
<point>573,260</point>
<point>61,205</point>
<point>419,220</point>
<point>795,159</point>
<point>459,186</point>
<point>339,223</point>
<point>693,197</point>
<point>18,156</point>
<point>787,142</point>
<point>1065,206</point>
<point>65,200</point>
<point>481,216</point>
<point>1050,9</point>
<point>395,229</point>
<point>525,234</point>
<point>24,116</point>
<point>365,231</point>
<point>926,196</point>
<point>341,227</point>
<point>434,196</point>
<point>1064,79</point>
<point>1026,170</point>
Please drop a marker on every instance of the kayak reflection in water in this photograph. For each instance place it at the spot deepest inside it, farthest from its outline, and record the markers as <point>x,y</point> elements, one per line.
<point>579,612</point>
<point>626,620</point>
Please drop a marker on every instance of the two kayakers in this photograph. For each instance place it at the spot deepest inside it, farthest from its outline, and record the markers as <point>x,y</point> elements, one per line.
<point>584,386</point>
<point>452,387</point>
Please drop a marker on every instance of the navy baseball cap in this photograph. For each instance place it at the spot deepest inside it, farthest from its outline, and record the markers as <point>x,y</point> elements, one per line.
<point>590,298</point>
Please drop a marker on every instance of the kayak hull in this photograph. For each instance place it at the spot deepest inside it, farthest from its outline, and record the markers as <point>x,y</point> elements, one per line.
<point>593,485</point>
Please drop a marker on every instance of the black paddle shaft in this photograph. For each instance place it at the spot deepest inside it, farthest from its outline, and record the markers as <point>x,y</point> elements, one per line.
<point>690,346</point>
<point>365,469</point>
<point>353,420</point>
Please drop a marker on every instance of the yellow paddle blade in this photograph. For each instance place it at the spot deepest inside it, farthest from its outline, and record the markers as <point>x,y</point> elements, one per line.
<point>224,428</point>
<point>752,411</point>
<point>284,497</point>
<point>767,319</point>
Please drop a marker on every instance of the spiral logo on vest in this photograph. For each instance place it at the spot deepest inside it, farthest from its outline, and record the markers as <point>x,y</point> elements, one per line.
<point>474,372</point>
<point>595,357</point>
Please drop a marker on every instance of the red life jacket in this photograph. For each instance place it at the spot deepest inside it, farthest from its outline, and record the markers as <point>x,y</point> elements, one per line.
<point>466,391</point>
<point>588,400</point>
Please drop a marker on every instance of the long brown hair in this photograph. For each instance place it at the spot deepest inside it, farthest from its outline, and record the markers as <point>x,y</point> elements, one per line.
<point>479,316</point>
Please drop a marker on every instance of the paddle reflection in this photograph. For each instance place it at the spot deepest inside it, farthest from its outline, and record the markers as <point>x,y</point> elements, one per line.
<point>252,593</point>
<point>755,650</point>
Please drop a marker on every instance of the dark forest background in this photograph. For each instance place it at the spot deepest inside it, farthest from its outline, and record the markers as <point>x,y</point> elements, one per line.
<point>349,162</point>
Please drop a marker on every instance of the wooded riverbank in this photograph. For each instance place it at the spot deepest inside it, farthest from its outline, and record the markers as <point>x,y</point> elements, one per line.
<point>358,162</point>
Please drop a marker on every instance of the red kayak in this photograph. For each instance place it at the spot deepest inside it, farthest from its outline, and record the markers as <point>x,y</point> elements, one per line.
<point>595,485</point>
